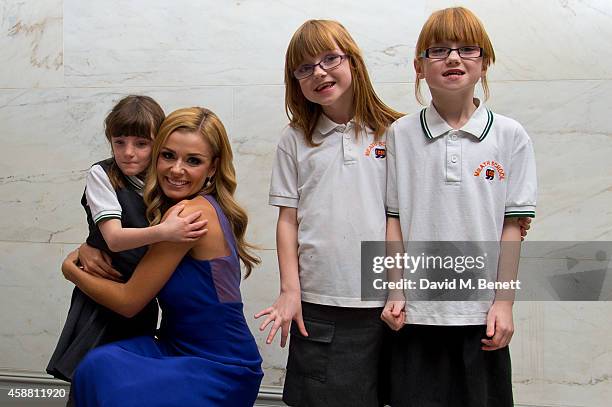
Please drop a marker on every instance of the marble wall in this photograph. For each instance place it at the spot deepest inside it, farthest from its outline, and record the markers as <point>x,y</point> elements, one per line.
<point>66,62</point>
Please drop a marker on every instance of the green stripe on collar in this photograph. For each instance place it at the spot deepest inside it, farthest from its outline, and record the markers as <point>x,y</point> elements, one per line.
<point>424,125</point>
<point>135,182</point>
<point>488,126</point>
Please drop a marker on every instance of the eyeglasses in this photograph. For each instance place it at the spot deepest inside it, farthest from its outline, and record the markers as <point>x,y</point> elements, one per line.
<point>328,63</point>
<point>471,51</point>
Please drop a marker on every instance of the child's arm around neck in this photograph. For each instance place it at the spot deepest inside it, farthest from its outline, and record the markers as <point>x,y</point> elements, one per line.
<point>150,275</point>
<point>107,212</point>
<point>174,228</point>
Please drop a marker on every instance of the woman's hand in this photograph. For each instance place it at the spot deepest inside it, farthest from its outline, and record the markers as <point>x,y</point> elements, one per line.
<point>97,263</point>
<point>179,229</point>
<point>287,308</point>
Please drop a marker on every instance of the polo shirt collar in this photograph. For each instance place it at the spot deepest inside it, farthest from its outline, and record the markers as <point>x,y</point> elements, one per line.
<point>478,126</point>
<point>325,125</point>
<point>136,182</point>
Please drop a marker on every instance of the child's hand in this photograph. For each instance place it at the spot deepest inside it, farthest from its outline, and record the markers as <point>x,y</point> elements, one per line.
<point>97,263</point>
<point>187,229</point>
<point>287,308</point>
<point>500,326</point>
<point>394,314</point>
<point>69,266</point>
<point>524,223</point>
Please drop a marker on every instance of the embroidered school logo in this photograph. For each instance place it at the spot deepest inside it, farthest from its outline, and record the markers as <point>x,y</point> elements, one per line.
<point>376,150</point>
<point>491,169</point>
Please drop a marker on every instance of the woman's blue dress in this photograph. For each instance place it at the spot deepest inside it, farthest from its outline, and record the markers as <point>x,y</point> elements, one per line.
<point>205,354</point>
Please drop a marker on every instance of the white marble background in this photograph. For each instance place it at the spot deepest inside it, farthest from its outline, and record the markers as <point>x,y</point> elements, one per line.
<point>64,64</point>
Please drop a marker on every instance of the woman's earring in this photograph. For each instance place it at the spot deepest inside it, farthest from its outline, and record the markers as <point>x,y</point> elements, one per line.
<point>207,181</point>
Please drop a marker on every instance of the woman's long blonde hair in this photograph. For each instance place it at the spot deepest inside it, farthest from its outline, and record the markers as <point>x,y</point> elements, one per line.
<point>311,39</point>
<point>457,24</point>
<point>223,184</point>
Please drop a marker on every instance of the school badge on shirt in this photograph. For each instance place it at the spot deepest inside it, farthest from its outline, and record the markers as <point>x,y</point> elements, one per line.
<point>376,150</point>
<point>490,170</point>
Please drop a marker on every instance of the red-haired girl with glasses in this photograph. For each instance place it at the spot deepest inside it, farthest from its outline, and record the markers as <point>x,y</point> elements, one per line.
<point>328,181</point>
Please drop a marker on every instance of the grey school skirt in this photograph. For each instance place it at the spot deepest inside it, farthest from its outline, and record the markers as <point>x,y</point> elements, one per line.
<point>89,325</point>
<point>342,361</point>
<point>440,366</point>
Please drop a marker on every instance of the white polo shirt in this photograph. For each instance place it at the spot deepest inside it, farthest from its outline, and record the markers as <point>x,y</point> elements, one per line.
<point>338,189</point>
<point>102,197</point>
<point>457,185</point>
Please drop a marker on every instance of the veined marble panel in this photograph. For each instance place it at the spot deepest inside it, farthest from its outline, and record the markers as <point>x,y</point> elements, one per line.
<point>40,167</point>
<point>43,208</point>
<point>31,39</point>
<point>560,353</point>
<point>553,75</point>
<point>219,99</point>
<point>35,299</point>
<point>34,124</point>
<point>259,291</point>
<point>549,106</point>
<point>223,43</point>
<point>260,120</point>
<point>46,158</point>
<point>398,96</point>
<point>572,135</point>
<point>386,33</point>
<point>544,40</point>
<point>89,107</point>
<point>557,106</point>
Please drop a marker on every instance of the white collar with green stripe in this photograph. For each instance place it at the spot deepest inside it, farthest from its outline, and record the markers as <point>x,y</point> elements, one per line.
<point>479,125</point>
<point>136,182</point>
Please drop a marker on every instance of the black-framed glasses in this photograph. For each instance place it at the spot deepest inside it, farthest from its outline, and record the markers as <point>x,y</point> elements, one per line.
<point>470,51</point>
<point>328,63</point>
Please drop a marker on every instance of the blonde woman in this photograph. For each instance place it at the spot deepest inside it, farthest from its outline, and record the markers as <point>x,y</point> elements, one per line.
<point>205,353</point>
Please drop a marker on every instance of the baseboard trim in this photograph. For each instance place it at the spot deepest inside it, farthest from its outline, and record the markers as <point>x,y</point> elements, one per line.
<point>271,394</point>
<point>266,393</point>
